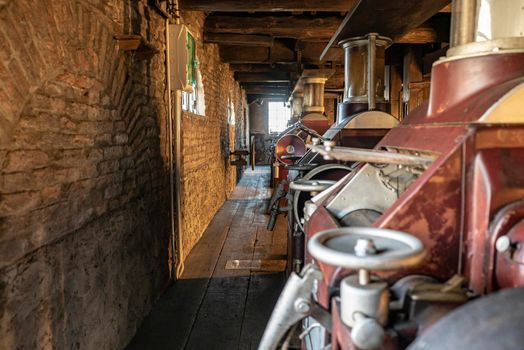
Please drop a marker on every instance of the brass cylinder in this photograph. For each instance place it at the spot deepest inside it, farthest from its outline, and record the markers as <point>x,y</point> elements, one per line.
<point>364,69</point>
<point>314,95</point>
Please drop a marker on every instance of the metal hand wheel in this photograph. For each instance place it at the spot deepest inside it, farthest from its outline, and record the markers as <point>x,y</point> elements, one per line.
<point>311,185</point>
<point>348,247</point>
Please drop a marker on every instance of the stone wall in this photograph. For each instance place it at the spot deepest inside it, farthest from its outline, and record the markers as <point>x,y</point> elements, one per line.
<point>207,177</point>
<point>84,171</point>
<point>330,105</point>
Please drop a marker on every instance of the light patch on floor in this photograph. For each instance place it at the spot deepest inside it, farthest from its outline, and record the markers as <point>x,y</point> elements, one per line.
<point>257,265</point>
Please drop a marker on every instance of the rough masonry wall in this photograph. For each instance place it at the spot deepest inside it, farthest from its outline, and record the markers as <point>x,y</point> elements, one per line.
<point>207,177</point>
<point>330,105</point>
<point>84,224</point>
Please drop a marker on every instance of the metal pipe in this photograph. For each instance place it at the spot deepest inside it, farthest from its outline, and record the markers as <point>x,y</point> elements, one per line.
<point>178,186</point>
<point>178,163</point>
<point>171,168</point>
<point>177,264</point>
<point>463,18</point>
<point>372,53</point>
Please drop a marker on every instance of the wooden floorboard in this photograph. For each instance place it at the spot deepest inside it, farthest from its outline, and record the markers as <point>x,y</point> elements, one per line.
<point>211,307</point>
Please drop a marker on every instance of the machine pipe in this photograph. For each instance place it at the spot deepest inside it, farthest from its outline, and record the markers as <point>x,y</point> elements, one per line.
<point>463,22</point>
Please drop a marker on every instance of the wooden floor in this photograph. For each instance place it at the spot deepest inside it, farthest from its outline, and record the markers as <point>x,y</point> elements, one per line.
<point>225,296</point>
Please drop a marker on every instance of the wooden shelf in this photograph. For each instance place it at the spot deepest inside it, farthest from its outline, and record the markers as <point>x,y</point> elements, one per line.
<point>136,43</point>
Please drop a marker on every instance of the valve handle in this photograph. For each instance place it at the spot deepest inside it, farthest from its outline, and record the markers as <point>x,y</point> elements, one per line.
<point>394,249</point>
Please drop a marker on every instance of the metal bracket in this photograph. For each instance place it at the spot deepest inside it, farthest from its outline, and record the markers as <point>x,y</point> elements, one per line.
<point>294,304</point>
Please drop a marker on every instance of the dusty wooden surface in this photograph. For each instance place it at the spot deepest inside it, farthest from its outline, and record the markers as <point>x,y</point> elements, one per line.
<point>211,307</point>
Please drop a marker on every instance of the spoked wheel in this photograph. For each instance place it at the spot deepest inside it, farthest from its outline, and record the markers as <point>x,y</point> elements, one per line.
<point>328,172</point>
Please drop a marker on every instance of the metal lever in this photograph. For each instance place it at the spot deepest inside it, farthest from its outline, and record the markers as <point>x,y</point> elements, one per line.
<point>350,154</point>
<point>294,304</point>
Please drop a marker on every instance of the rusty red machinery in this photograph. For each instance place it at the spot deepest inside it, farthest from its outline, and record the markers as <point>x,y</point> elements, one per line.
<point>421,245</point>
<point>362,120</point>
<point>309,111</point>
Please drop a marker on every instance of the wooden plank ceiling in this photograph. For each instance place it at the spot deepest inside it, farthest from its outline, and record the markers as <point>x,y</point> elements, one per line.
<point>269,42</point>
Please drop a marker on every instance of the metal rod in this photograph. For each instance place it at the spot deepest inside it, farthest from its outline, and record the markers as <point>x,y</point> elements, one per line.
<point>178,163</point>
<point>177,264</point>
<point>171,168</point>
<point>372,52</point>
<point>363,277</point>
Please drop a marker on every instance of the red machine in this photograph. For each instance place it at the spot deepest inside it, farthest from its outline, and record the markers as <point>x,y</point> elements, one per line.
<point>308,108</point>
<point>361,122</point>
<point>421,246</point>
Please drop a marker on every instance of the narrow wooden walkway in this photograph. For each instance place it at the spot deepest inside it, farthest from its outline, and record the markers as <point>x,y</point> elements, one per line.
<point>231,282</point>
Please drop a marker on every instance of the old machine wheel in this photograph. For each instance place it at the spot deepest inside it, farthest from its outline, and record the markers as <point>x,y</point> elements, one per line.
<point>289,148</point>
<point>318,179</point>
<point>327,172</point>
<point>364,299</point>
<point>452,174</point>
<point>485,324</point>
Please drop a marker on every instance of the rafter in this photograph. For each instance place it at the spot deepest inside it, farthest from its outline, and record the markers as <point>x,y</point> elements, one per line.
<point>239,39</point>
<point>268,5</point>
<point>298,27</point>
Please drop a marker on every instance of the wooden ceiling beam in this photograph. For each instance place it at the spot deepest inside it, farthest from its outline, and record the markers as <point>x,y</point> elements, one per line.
<point>264,67</point>
<point>271,77</point>
<point>422,35</point>
<point>298,27</point>
<point>238,39</point>
<point>267,5</point>
<point>446,9</point>
<point>278,54</point>
<point>253,97</point>
<point>260,90</point>
<point>434,30</point>
<point>277,85</point>
<point>388,18</point>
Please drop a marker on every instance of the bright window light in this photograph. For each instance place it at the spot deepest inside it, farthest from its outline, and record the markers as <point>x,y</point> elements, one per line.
<point>279,115</point>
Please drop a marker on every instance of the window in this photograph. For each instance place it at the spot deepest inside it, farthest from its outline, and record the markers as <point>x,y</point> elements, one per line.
<point>230,112</point>
<point>279,115</point>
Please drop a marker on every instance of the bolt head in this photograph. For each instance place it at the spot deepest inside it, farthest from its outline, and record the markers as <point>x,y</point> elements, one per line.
<point>365,246</point>
<point>503,244</point>
<point>330,143</point>
<point>302,306</point>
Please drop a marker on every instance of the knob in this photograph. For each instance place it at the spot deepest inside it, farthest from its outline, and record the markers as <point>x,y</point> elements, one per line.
<point>367,333</point>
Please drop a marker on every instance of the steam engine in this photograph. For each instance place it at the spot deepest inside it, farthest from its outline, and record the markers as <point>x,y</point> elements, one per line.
<point>420,246</point>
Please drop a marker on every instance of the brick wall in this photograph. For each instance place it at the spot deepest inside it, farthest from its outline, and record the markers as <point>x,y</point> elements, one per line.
<point>83,212</point>
<point>84,171</point>
<point>330,105</point>
<point>207,177</point>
